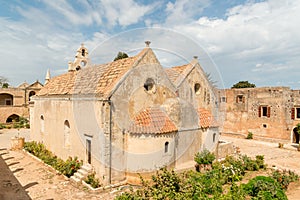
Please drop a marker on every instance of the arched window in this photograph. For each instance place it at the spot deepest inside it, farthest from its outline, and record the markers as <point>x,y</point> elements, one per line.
<point>149,85</point>
<point>67,134</point>
<point>214,137</point>
<point>197,88</point>
<point>6,99</point>
<point>42,124</point>
<point>166,147</point>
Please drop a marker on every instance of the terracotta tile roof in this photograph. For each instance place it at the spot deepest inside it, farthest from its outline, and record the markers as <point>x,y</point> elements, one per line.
<point>205,118</point>
<point>152,121</point>
<point>62,84</point>
<point>99,80</point>
<point>176,74</point>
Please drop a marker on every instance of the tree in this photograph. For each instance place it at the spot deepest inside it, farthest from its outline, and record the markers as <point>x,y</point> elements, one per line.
<point>121,55</point>
<point>3,82</point>
<point>244,84</point>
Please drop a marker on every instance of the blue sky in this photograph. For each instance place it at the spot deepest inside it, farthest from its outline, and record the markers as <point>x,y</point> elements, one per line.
<point>234,39</point>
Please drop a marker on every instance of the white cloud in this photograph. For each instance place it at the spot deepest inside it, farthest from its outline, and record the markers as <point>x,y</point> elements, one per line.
<point>124,13</point>
<point>183,11</point>
<point>266,32</point>
<point>86,16</point>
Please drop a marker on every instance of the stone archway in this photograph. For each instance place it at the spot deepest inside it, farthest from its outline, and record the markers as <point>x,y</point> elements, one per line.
<point>13,118</point>
<point>296,136</point>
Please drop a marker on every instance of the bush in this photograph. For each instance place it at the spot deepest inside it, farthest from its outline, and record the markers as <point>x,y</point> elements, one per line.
<point>92,180</point>
<point>285,178</point>
<point>250,135</point>
<point>2,126</point>
<point>204,157</point>
<point>264,187</point>
<point>67,168</point>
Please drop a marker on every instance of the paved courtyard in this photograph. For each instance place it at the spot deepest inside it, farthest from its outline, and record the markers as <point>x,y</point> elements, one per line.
<point>23,177</point>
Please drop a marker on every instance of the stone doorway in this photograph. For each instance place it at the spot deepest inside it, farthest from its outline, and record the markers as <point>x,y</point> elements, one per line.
<point>295,136</point>
<point>89,151</point>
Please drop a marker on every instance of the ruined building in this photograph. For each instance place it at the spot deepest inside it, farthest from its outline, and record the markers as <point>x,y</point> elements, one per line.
<point>14,101</point>
<point>267,112</point>
<point>128,116</point>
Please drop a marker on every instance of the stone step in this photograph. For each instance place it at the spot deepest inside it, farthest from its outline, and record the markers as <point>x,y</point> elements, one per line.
<point>79,175</point>
<point>76,180</point>
<point>83,172</point>
<point>87,167</point>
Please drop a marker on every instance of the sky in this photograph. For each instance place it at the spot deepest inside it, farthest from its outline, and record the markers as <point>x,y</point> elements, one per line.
<point>234,40</point>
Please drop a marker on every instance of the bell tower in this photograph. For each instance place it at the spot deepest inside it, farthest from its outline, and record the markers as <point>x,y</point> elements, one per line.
<point>81,59</point>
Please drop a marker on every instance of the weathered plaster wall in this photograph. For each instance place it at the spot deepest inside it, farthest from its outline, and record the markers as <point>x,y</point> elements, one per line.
<point>243,117</point>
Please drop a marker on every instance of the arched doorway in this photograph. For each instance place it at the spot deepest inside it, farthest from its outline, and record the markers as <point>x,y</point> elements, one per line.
<point>295,136</point>
<point>13,118</point>
<point>31,93</point>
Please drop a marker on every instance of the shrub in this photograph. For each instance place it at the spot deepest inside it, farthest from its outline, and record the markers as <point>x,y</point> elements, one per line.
<point>2,126</point>
<point>67,168</point>
<point>204,157</point>
<point>285,178</point>
<point>264,187</point>
<point>92,180</point>
<point>250,135</point>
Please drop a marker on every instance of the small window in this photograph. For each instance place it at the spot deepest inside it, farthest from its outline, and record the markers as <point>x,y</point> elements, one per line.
<point>8,102</point>
<point>214,137</point>
<point>67,134</point>
<point>265,125</point>
<point>223,99</point>
<point>264,111</point>
<point>149,85</point>
<point>83,52</point>
<point>298,113</point>
<point>240,99</point>
<point>166,147</point>
<point>78,68</point>
<point>197,88</point>
<point>42,124</point>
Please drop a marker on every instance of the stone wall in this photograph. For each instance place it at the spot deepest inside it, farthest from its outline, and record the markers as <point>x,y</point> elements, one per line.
<point>266,112</point>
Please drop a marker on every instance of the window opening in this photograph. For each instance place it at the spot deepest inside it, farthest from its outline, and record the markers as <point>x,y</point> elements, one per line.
<point>166,147</point>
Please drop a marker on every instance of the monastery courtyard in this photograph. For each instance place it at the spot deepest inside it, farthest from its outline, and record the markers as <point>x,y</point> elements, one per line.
<point>22,176</point>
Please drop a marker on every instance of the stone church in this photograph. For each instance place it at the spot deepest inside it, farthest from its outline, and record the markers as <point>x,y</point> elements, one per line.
<point>128,116</point>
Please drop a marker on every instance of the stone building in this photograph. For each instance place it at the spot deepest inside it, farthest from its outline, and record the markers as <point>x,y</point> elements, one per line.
<point>267,112</point>
<point>14,101</point>
<point>128,116</point>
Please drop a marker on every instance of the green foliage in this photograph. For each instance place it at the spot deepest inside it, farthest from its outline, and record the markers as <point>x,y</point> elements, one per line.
<point>67,168</point>
<point>285,178</point>
<point>92,180</point>
<point>243,84</point>
<point>3,82</point>
<point>263,187</point>
<point>298,128</point>
<point>2,126</point>
<point>210,184</point>
<point>250,135</point>
<point>120,55</point>
<point>204,157</point>
<point>22,123</point>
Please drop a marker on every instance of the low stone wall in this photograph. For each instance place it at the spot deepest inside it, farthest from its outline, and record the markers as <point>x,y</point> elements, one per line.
<point>224,148</point>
